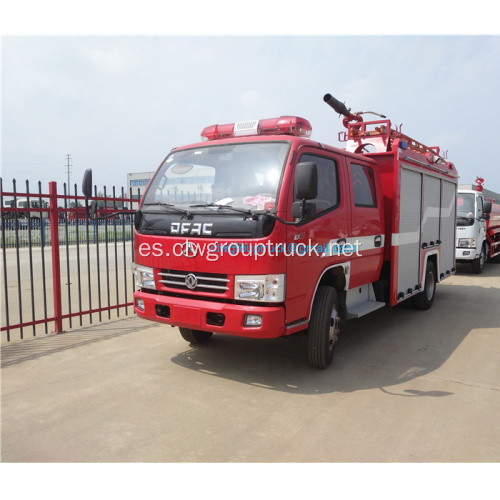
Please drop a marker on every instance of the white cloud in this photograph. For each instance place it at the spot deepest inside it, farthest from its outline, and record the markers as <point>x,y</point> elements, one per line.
<point>250,99</point>
<point>116,61</point>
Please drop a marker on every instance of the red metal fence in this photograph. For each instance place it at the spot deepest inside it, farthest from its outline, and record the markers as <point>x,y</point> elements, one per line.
<point>58,264</point>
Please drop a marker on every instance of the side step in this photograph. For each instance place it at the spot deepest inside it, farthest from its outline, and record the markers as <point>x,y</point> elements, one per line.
<point>364,308</point>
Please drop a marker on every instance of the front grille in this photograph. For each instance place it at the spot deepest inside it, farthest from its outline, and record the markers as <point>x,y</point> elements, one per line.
<point>196,282</point>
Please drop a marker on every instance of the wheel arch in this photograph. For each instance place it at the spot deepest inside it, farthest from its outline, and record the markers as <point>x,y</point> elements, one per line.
<point>334,276</point>
<point>431,256</point>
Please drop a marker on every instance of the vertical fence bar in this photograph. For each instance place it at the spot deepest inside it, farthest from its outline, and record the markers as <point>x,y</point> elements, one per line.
<point>42,247</point>
<point>4,257</point>
<point>125,256</point>
<point>30,220</point>
<point>77,222</point>
<point>132,235</point>
<point>106,242</point>
<point>16,228</point>
<point>131,227</point>
<point>56,266</point>
<point>66,222</point>
<point>89,281</point>
<point>96,240</point>
<point>116,250</point>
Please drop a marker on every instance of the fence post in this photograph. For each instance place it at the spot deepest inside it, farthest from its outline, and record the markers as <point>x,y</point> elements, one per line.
<point>56,263</point>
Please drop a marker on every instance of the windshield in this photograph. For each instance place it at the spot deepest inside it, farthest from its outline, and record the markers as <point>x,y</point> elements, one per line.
<point>465,205</point>
<point>243,176</point>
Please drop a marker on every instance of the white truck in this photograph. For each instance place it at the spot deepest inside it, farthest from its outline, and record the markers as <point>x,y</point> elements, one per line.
<point>478,225</point>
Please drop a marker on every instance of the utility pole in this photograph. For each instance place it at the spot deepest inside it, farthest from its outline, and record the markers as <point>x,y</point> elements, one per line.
<point>68,158</point>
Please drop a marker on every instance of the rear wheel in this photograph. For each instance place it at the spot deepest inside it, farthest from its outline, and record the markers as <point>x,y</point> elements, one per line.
<point>425,298</point>
<point>323,327</point>
<point>195,336</point>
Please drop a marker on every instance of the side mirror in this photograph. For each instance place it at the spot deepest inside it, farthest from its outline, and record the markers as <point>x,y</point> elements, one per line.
<point>306,181</point>
<point>87,192</point>
<point>303,210</point>
<point>487,207</point>
<point>305,188</point>
<point>87,183</point>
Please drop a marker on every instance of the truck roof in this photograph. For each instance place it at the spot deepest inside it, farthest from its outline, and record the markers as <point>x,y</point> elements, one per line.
<point>297,142</point>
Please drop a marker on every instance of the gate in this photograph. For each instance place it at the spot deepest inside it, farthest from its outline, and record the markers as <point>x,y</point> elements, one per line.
<point>60,267</point>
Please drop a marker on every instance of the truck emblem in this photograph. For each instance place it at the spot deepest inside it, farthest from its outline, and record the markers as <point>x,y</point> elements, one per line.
<point>191,281</point>
<point>188,249</point>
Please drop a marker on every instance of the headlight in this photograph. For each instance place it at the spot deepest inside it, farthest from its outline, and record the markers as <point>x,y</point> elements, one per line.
<point>144,276</point>
<point>262,288</point>
<point>467,243</point>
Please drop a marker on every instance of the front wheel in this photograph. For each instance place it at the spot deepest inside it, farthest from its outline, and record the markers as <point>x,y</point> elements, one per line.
<point>323,327</point>
<point>425,298</point>
<point>478,264</point>
<point>195,336</point>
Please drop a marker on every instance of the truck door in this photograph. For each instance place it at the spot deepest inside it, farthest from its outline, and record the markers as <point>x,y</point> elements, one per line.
<point>481,220</point>
<point>367,224</point>
<point>311,238</point>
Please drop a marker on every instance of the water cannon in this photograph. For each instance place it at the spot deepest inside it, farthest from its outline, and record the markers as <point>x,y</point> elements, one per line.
<point>342,109</point>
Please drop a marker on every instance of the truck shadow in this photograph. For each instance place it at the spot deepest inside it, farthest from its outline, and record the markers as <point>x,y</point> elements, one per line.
<point>384,349</point>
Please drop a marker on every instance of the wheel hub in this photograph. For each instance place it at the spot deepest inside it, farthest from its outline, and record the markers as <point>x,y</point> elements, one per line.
<point>333,333</point>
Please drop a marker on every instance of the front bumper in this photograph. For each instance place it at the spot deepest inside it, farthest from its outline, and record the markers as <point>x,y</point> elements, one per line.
<point>466,254</point>
<point>204,315</point>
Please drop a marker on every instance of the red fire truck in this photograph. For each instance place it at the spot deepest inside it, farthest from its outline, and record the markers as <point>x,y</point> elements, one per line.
<point>260,231</point>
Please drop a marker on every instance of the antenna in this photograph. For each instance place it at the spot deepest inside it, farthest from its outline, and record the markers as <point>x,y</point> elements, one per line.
<point>68,158</point>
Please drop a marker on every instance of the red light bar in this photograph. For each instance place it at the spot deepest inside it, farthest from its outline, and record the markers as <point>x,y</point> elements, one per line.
<point>291,125</point>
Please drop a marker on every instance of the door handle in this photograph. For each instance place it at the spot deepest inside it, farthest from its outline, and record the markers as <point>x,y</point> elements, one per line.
<point>378,241</point>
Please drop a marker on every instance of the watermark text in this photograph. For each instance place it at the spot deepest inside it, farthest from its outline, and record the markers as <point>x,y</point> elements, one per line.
<point>215,250</point>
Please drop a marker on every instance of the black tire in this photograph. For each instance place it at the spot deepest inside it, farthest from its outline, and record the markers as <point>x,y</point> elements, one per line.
<point>478,264</point>
<point>425,298</point>
<point>323,328</point>
<point>195,336</point>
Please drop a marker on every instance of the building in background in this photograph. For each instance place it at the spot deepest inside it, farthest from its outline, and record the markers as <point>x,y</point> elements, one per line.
<point>192,184</point>
<point>137,182</point>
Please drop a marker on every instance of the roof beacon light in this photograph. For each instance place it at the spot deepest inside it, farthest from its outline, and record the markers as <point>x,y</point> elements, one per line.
<point>290,125</point>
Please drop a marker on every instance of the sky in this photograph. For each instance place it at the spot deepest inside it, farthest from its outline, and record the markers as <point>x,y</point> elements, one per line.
<point>119,104</point>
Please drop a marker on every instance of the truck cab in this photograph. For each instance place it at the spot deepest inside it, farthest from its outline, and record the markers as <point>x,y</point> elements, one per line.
<point>471,244</point>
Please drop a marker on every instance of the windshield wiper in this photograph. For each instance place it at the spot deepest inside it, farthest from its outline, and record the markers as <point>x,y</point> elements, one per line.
<point>170,207</point>
<point>220,207</point>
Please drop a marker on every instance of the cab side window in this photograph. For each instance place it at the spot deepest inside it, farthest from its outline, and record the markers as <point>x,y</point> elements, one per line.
<point>363,186</point>
<point>328,183</point>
